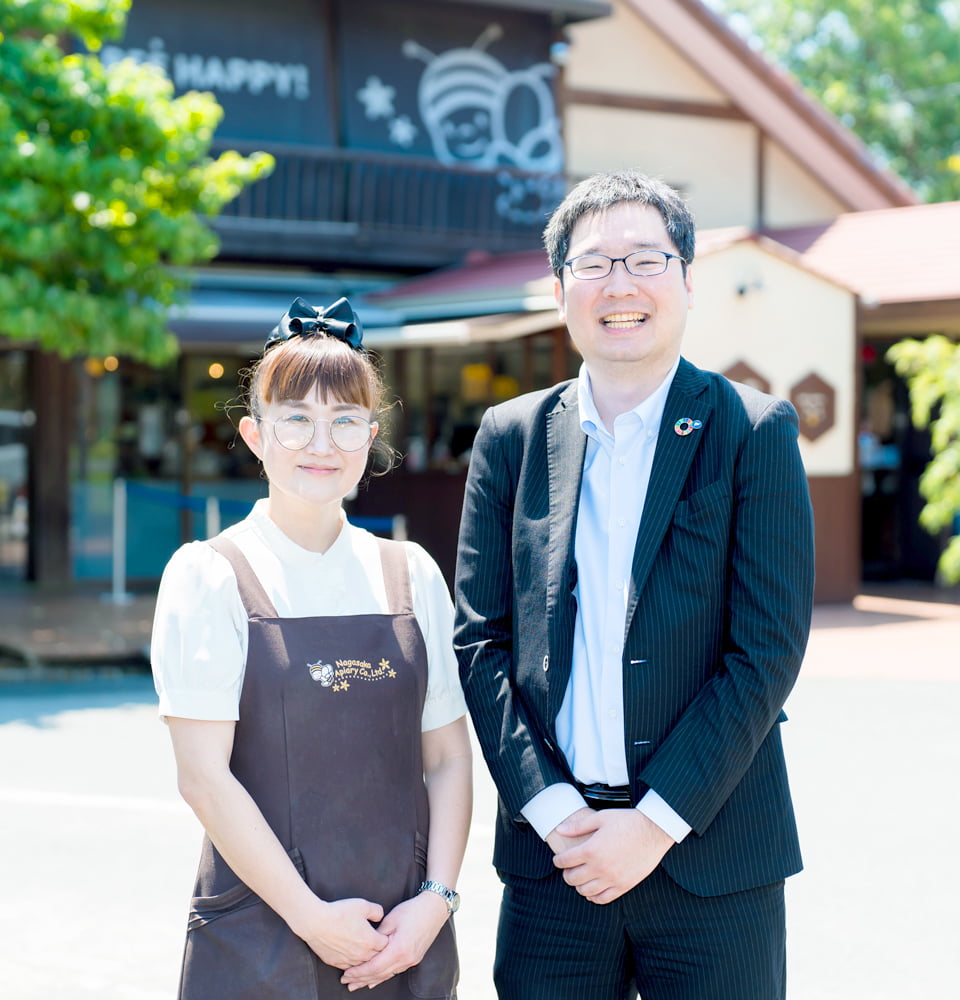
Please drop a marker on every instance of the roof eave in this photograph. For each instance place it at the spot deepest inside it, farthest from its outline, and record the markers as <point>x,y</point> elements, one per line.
<point>561,11</point>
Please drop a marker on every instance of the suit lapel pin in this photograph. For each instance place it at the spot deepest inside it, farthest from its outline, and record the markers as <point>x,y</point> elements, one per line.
<point>687,425</point>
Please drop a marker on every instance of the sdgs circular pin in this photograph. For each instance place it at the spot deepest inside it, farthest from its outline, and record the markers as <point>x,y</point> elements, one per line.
<point>687,425</point>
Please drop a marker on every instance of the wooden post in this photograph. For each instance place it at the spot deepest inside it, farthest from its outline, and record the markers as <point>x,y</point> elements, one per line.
<point>51,394</point>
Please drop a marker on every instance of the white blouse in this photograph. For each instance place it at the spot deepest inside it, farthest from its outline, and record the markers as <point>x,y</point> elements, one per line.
<point>199,646</point>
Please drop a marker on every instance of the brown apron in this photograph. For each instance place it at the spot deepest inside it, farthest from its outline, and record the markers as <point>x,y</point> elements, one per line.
<point>328,746</point>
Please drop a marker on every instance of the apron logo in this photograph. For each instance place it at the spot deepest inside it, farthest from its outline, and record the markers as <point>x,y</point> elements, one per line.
<point>338,677</point>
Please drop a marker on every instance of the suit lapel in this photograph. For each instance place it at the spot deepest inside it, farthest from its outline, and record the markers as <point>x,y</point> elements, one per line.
<point>671,465</point>
<point>566,446</point>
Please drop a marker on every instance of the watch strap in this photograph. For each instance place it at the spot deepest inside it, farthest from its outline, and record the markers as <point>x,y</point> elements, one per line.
<point>452,898</point>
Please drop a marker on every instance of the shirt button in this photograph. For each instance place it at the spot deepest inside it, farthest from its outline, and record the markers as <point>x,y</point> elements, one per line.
<point>619,584</point>
<point>622,460</point>
<point>612,713</point>
<point>621,522</point>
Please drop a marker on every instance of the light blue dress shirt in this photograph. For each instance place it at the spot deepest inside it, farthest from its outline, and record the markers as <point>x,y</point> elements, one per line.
<point>590,727</point>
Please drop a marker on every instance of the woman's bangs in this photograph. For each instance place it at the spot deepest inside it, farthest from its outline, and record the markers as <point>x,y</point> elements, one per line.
<point>335,372</point>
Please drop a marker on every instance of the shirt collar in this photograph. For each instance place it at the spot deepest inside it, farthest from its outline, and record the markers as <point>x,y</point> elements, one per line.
<point>650,411</point>
<point>287,549</point>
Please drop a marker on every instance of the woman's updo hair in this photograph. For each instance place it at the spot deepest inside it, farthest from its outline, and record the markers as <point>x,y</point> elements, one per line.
<point>295,368</point>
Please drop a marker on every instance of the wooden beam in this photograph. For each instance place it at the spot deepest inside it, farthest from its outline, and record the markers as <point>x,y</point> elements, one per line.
<point>910,319</point>
<point>761,181</point>
<point>657,105</point>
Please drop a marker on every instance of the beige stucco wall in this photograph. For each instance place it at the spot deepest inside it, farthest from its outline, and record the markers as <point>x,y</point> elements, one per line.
<point>621,54</point>
<point>787,325</point>
<point>713,161</point>
<point>792,196</point>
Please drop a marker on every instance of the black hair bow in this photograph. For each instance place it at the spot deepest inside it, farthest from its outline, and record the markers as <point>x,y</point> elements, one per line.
<point>302,320</point>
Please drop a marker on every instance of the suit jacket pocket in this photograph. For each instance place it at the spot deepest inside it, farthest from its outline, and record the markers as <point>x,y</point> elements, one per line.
<point>696,547</point>
<point>702,502</point>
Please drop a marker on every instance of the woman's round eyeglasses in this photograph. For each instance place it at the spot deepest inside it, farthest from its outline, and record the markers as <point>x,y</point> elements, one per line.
<point>348,433</point>
<point>640,263</point>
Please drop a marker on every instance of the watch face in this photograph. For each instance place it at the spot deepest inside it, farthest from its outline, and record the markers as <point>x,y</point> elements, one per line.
<point>454,901</point>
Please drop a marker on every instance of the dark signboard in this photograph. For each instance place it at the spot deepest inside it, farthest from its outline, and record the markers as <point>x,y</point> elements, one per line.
<point>742,372</point>
<point>815,401</point>
<point>464,85</point>
<point>467,86</point>
<point>267,64</point>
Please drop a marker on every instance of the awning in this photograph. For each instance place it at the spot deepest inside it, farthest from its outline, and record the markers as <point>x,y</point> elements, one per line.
<point>239,320</point>
<point>472,330</point>
<point>491,297</point>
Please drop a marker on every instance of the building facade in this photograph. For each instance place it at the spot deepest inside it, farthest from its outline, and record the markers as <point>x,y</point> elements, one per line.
<point>420,146</point>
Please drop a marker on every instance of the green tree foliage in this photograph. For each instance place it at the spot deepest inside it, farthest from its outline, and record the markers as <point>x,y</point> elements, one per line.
<point>105,181</point>
<point>932,370</point>
<point>888,69</point>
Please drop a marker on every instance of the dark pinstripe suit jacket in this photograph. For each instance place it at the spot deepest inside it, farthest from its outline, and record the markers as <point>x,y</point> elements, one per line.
<point>717,620</point>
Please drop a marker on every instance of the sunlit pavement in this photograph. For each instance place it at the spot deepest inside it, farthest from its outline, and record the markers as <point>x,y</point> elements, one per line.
<point>97,853</point>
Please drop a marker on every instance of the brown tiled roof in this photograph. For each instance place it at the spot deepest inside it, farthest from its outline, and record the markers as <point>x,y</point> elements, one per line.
<point>481,276</point>
<point>909,254</point>
<point>889,257</point>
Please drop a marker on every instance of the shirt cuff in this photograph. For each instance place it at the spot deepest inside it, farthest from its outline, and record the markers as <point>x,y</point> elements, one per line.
<point>547,809</point>
<point>655,809</point>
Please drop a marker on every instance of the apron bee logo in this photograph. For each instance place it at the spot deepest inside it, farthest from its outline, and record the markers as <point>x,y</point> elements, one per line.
<point>322,672</point>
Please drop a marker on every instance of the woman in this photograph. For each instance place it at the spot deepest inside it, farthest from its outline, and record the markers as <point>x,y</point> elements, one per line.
<point>306,673</point>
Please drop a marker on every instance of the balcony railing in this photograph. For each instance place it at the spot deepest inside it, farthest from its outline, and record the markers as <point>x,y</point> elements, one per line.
<point>357,206</point>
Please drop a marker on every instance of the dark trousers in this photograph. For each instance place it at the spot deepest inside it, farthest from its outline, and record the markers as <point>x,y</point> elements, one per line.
<point>658,939</point>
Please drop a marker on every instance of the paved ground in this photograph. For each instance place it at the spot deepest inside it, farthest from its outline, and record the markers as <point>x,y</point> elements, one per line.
<point>97,853</point>
<point>75,625</point>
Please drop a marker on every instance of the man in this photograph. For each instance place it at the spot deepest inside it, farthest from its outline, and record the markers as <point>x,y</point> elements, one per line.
<point>634,591</point>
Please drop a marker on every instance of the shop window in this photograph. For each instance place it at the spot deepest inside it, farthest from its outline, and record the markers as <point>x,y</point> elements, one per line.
<point>444,391</point>
<point>168,434</point>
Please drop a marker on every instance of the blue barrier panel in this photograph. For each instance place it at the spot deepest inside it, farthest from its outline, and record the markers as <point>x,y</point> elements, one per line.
<point>153,523</point>
<point>232,511</point>
<point>91,517</point>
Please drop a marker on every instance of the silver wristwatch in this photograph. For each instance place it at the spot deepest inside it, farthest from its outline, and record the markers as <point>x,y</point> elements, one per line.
<point>452,898</point>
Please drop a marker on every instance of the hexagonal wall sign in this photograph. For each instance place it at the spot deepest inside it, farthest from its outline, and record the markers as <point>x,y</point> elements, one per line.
<point>742,372</point>
<point>815,401</point>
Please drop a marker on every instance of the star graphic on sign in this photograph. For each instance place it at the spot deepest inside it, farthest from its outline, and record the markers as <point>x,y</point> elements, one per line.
<point>377,98</point>
<point>384,663</point>
<point>344,685</point>
<point>403,131</point>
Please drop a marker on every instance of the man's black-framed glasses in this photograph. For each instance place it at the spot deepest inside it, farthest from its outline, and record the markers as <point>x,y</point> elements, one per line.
<point>640,263</point>
<point>348,433</point>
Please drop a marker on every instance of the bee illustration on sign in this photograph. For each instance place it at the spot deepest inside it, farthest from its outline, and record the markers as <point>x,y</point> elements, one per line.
<point>463,98</point>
